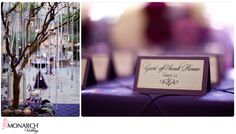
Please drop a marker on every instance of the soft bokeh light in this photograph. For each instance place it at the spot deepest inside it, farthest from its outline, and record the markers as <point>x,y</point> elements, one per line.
<point>108,10</point>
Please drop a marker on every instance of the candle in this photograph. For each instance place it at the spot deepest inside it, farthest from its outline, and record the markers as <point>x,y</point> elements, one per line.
<point>18,112</point>
<point>7,112</point>
<point>27,111</point>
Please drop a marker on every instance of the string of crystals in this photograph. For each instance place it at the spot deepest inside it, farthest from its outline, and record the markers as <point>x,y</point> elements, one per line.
<point>60,48</point>
<point>70,42</point>
<point>66,44</point>
<point>57,58</point>
<point>21,31</point>
<point>28,56</point>
<point>49,67</point>
<point>76,44</point>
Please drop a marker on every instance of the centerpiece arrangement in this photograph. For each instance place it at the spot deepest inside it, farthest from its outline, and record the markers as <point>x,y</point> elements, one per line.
<point>44,35</point>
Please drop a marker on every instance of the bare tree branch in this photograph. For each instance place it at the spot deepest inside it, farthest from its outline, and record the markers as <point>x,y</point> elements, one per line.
<point>13,8</point>
<point>6,24</point>
<point>38,39</point>
<point>64,23</point>
<point>61,9</point>
<point>32,14</point>
<point>3,16</point>
<point>41,36</point>
<point>31,47</point>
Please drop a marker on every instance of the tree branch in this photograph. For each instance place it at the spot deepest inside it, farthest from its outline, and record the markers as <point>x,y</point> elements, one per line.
<point>41,36</point>
<point>32,13</point>
<point>60,9</point>
<point>62,24</point>
<point>38,39</point>
<point>13,8</point>
<point>3,16</point>
<point>6,24</point>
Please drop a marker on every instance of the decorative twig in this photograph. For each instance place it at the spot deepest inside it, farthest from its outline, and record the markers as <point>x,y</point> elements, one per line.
<point>40,37</point>
<point>13,8</point>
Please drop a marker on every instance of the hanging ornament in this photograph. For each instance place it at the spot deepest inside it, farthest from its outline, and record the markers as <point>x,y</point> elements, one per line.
<point>37,30</point>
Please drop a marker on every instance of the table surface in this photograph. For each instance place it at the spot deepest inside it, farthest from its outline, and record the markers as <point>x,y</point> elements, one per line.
<point>116,98</point>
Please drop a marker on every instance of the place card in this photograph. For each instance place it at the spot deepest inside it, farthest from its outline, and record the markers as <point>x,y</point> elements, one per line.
<point>124,62</point>
<point>216,68</point>
<point>87,73</point>
<point>215,60</point>
<point>103,67</point>
<point>187,75</point>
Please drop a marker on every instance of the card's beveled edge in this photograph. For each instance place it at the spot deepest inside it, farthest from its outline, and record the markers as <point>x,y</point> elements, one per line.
<point>174,91</point>
<point>206,72</point>
<point>219,68</point>
<point>86,71</point>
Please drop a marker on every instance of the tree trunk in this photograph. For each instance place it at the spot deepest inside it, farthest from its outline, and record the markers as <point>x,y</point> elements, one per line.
<point>16,90</point>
